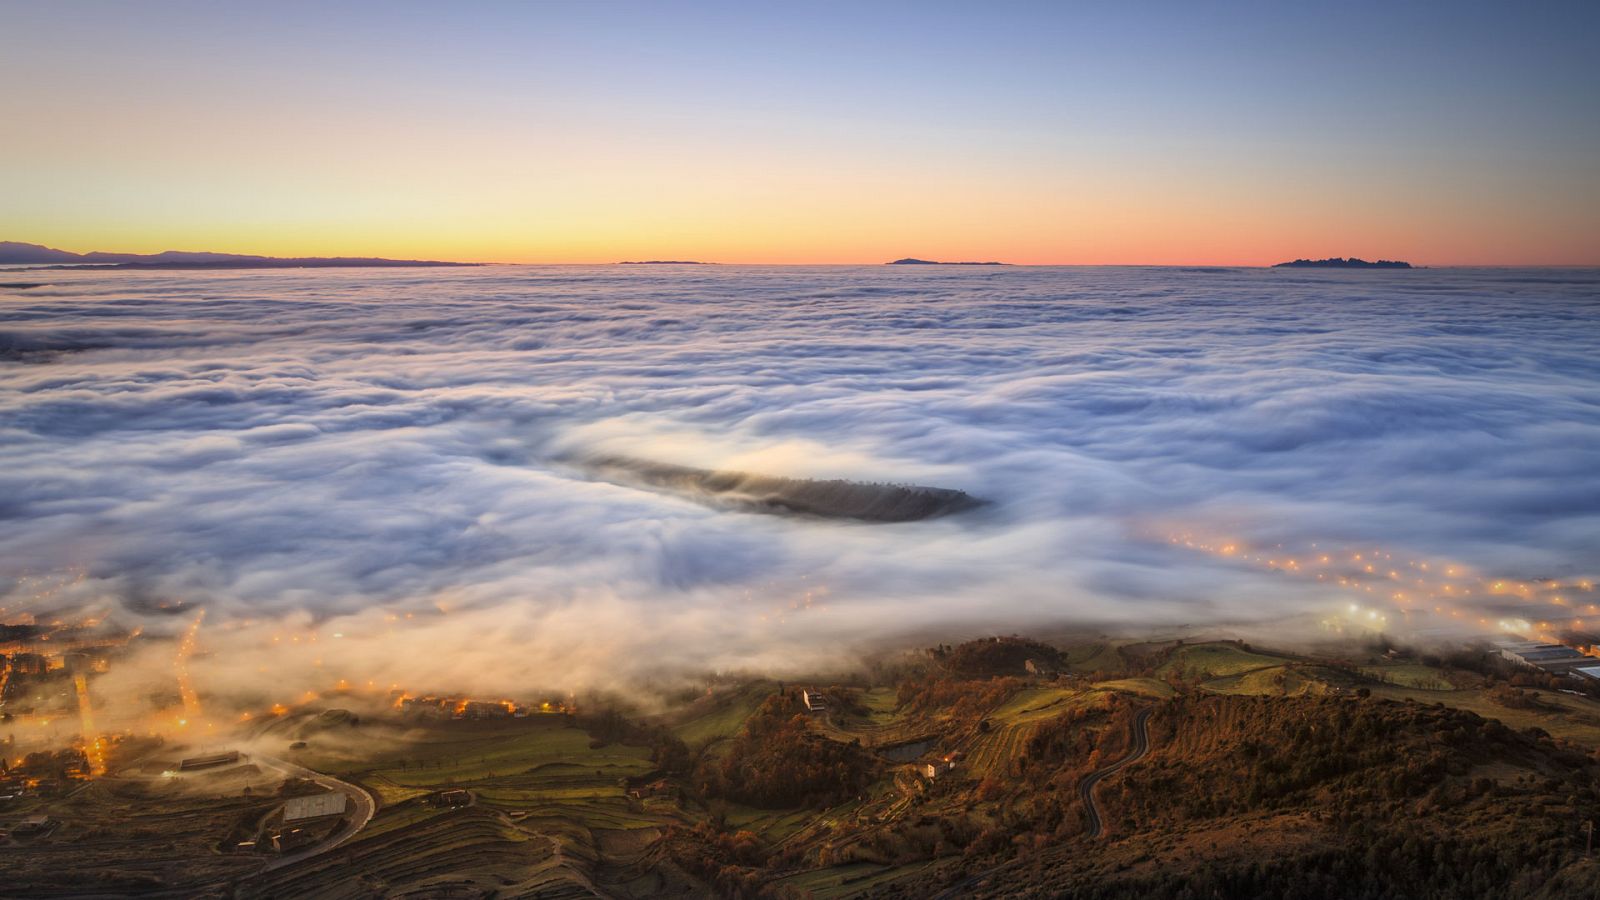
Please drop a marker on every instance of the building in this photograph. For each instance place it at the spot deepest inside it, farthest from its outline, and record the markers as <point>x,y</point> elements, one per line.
<point>450,799</point>
<point>207,762</point>
<point>33,826</point>
<point>484,709</point>
<point>297,810</point>
<point>814,701</point>
<point>293,839</point>
<point>934,768</point>
<point>1039,668</point>
<point>29,664</point>
<point>1546,657</point>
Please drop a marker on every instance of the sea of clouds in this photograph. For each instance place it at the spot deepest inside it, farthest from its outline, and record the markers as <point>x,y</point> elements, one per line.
<point>394,456</point>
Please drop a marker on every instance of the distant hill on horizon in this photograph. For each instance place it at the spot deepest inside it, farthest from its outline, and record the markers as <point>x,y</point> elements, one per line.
<point>18,253</point>
<point>1334,262</point>
<point>913,261</point>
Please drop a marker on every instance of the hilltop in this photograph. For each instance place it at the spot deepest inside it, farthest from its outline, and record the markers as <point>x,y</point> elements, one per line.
<point>17,253</point>
<point>1335,262</point>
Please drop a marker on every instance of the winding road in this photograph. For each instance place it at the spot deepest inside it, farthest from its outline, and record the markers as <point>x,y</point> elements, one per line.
<point>362,807</point>
<point>1141,746</point>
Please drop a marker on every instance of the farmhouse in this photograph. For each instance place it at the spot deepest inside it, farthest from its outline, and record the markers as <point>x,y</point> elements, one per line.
<point>814,701</point>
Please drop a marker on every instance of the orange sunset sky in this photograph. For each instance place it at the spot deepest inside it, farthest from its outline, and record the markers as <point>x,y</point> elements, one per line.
<point>1030,133</point>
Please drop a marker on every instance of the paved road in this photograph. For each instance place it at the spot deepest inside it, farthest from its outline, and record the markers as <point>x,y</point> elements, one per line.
<point>362,807</point>
<point>1141,746</point>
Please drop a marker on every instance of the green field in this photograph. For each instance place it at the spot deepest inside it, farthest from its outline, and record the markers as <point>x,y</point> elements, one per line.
<point>882,704</point>
<point>500,754</point>
<point>773,826</point>
<point>1576,719</point>
<point>1414,675</point>
<point>1087,658</point>
<point>725,718</point>
<point>1217,659</point>
<point>1144,687</point>
<point>1035,703</point>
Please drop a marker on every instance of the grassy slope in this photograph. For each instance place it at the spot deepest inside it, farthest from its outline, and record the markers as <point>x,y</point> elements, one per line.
<point>725,719</point>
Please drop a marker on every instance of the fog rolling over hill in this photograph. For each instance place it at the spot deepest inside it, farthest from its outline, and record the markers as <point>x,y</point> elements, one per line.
<point>381,454</point>
<point>828,499</point>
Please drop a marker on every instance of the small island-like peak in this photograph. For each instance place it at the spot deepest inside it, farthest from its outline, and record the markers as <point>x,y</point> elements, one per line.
<point>913,261</point>
<point>1334,262</point>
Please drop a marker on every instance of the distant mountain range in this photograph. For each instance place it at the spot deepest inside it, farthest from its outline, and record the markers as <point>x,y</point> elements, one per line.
<point>664,262</point>
<point>15,253</point>
<point>913,261</point>
<point>1334,262</point>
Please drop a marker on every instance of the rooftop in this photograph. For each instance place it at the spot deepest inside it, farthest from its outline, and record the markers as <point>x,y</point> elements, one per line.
<point>315,806</point>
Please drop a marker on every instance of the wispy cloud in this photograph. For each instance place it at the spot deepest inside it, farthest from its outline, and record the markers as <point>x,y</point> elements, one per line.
<point>339,450</point>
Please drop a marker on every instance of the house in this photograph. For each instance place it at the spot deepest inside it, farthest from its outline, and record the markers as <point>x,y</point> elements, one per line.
<point>815,701</point>
<point>1039,668</point>
<point>934,768</point>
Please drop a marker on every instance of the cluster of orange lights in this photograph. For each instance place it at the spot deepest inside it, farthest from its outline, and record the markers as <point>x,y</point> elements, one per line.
<point>810,598</point>
<point>1413,586</point>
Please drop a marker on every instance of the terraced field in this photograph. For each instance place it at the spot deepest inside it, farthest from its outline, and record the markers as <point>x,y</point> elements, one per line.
<point>992,755</point>
<point>463,851</point>
<point>848,880</point>
<point>1014,722</point>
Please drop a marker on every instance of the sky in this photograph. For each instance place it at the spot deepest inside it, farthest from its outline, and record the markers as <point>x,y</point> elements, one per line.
<point>1072,133</point>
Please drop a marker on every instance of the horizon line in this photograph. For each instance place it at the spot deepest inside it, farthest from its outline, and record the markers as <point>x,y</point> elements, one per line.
<point>681,260</point>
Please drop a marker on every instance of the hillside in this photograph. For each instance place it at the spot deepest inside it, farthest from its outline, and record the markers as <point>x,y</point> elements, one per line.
<point>1110,769</point>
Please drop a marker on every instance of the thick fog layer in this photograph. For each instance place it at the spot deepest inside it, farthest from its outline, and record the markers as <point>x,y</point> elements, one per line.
<point>390,462</point>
